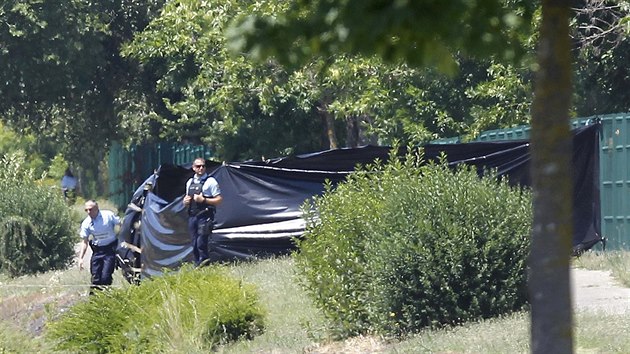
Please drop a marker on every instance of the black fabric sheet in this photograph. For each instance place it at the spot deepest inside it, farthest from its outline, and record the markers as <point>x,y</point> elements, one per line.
<point>260,214</point>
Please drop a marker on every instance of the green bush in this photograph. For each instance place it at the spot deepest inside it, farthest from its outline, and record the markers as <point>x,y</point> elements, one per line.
<point>408,245</point>
<point>36,228</point>
<point>186,311</point>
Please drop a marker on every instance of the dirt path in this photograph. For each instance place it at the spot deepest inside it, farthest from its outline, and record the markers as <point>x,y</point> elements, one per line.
<point>598,291</point>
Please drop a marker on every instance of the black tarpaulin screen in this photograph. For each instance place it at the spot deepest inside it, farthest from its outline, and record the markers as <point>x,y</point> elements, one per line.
<point>260,214</point>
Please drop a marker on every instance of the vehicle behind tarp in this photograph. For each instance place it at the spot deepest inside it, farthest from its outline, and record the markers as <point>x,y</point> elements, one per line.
<point>260,214</point>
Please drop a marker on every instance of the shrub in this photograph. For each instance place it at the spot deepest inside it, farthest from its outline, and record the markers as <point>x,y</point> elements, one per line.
<point>36,228</point>
<point>408,245</point>
<point>191,309</point>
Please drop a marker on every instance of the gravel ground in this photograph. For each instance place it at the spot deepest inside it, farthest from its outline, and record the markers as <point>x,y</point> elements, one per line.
<point>598,291</point>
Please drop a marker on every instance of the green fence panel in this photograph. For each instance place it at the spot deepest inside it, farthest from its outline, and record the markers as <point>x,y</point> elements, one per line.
<point>614,171</point>
<point>445,141</point>
<point>129,168</point>
<point>117,168</point>
<point>517,133</point>
<point>615,179</point>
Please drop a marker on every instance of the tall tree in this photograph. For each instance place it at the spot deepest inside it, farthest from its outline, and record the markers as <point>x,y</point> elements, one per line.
<point>62,69</point>
<point>550,290</point>
<point>422,34</point>
<point>201,94</point>
<point>503,101</point>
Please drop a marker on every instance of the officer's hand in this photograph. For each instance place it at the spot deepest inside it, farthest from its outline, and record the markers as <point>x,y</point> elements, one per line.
<point>187,200</point>
<point>199,198</point>
<point>80,264</point>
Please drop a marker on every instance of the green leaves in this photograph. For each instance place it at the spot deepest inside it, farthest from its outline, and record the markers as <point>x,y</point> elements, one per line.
<point>408,245</point>
<point>61,70</point>
<point>420,33</point>
<point>181,312</point>
<point>36,227</point>
<point>502,101</point>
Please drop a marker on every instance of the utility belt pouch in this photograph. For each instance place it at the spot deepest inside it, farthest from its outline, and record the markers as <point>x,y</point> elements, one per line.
<point>108,248</point>
<point>206,214</point>
<point>205,226</point>
<point>205,223</point>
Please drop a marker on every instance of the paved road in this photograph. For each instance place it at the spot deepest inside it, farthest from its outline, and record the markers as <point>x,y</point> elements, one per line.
<point>598,291</point>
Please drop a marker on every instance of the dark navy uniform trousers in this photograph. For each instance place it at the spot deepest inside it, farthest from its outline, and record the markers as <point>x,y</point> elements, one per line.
<point>198,239</point>
<point>102,264</point>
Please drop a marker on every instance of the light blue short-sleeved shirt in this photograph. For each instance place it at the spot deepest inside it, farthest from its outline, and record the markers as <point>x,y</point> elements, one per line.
<point>102,228</point>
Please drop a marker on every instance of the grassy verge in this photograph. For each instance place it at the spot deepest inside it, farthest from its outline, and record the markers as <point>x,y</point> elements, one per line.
<point>295,326</point>
<point>617,262</point>
<point>592,334</point>
<point>293,322</point>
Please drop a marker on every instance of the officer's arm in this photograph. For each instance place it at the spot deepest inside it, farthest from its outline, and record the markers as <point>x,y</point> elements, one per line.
<point>216,200</point>
<point>84,246</point>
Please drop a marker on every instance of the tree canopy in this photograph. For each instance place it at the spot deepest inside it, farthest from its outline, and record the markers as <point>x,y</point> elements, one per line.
<point>81,74</point>
<point>425,33</point>
<point>62,70</point>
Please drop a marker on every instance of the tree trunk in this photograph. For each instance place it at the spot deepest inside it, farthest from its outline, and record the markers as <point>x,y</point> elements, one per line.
<point>329,124</point>
<point>356,132</point>
<point>552,183</point>
<point>352,132</point>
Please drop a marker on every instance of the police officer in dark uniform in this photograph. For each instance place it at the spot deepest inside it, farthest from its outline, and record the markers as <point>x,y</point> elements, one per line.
<point>98,231</point>
<point>202,196</point>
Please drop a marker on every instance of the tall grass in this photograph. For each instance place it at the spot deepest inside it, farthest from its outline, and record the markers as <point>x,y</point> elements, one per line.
<point>71,280</point>
<point>593,333</point>
<point>292,321</point>
<point>27,302</point>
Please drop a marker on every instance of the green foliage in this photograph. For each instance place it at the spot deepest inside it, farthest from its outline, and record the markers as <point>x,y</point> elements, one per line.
<point>36,230</point>
<point>10,142</point>
<point>57,167</point>
<point>408,245</point>
<point>419,33</point>
<point>502,101</point>
<point>189,307</point>
<point>602,79</point>
<point>203,94</point>
<point>62,70</point>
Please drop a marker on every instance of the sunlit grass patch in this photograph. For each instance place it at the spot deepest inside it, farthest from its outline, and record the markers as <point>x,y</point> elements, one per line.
<point>618,262</point>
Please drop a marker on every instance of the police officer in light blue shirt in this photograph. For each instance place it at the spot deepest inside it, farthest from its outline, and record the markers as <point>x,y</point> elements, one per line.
<point>202,197</point>
<point>98,230</point>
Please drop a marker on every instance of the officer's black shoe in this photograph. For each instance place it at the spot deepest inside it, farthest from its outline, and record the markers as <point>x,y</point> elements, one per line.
<point>206,262</point>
